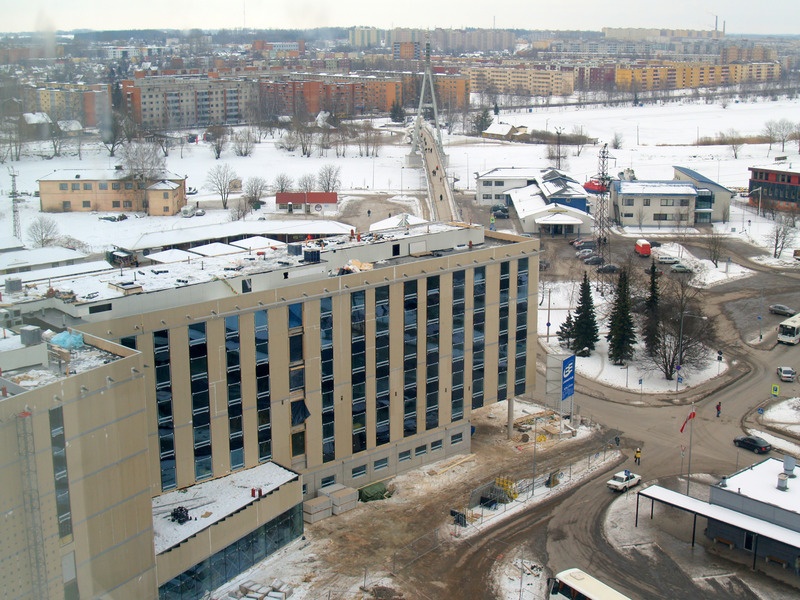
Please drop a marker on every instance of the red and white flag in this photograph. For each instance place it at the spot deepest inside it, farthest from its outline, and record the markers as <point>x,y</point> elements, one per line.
<point>691,416</point>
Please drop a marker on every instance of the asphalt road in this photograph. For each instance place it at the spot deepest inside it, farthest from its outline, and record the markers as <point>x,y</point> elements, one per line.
<point>567,531</point>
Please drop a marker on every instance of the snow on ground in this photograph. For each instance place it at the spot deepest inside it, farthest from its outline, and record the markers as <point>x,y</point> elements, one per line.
<point>784,416</point>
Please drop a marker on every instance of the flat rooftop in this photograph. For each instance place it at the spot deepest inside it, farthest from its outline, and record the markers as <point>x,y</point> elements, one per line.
<point>212,501</point>
<point>760,482</point>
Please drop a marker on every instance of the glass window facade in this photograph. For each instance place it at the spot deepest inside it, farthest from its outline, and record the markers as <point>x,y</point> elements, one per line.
<point>239,556</point>
<point>358,352</point>
<point>521,334</point>
<point>457,393</point>
<point>58,448</point>
<point>478,335</point>
<point>382,367</point>
<point>326,372</point>
<point>166,423</point>
<point>201,402</point>
<point>502,338</point>
<point>410,358</point>
<point>234,379</point>
<point>263,416</point>
<point>432,353</point>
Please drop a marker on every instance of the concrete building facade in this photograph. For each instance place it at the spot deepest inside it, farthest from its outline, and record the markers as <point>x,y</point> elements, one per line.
<point>348,362</point>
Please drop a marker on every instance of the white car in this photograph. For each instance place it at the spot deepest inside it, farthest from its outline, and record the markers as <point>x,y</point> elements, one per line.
<point>786,373</point>
<point>666,259</point>
<point>585,253</point>
<point>623,480</point>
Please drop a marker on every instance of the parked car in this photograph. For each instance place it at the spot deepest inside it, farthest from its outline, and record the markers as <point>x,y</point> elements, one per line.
<point>752,442</point>
<point>583,244</point>
<point>786,373</point>
<point>500,207</point>
<point>499,214</point>
<point>584,253</point>
<point>666,259</point>
<point>574,241</point>
<point>609,268</point>
<point>191,191</point>
<point>651,268</point>
<point>623,480</point>
<point>680,268</point>
<point>594,260</point>
<point>199,212</point>
<point>782,309</point>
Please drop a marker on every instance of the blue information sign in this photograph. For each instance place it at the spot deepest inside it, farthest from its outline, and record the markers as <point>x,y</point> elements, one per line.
<point>568,378</point>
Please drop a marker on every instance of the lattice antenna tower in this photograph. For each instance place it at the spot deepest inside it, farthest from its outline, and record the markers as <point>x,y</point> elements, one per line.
<point>15,204</point>
<point>427,85</point>
<point>602,222</point>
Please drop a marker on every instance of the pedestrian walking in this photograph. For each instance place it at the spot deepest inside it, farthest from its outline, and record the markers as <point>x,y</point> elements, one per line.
<point>719,408</point>
<point>637,456</point>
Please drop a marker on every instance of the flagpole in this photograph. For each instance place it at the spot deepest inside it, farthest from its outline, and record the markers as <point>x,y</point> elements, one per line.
<point>689,465</point>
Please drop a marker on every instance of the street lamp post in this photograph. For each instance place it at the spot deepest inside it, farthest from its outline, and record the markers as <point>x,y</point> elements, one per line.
<point>759,190</point>
<point>680,344</point>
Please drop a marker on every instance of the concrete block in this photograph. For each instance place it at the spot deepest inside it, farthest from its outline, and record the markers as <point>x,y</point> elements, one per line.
<point>317,516</point>
<point>317,504</point>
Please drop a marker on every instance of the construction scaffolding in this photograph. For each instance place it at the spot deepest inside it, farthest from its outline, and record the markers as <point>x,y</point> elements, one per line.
<point>31,506</point>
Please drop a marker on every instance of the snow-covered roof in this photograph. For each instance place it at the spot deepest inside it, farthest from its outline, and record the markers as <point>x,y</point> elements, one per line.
<point>217,249</point>
<point>99,175</point>
<point>401,220</point>
<point>172,255</point>
<point>19,259</point>
<point>159,239</point>
<point>10,242</point>
<point>725,515</point>
<point>699,178</point>
<point>782,166</point>
<point>164,185</point>
<point>81,268</point>
<point>70,125</point>
<point>759,482</point>
<point>511,173</point>
<point>36,118</point>
<point>257,242</point>
<point>211,501</point>
<point>499,129</point>
<point>656,188</point>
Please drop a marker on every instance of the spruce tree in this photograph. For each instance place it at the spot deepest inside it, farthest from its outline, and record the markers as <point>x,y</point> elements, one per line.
<point>567,331</point>
<point>651,314</point>
<point>585,321</point>
<point>621,333</point>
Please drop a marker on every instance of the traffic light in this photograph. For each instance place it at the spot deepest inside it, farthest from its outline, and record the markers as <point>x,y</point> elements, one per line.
<point>616,440</point>
<point>719,355</point>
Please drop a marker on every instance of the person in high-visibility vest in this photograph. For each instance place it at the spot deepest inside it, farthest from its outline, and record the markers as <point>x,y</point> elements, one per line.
<point>637,456</point>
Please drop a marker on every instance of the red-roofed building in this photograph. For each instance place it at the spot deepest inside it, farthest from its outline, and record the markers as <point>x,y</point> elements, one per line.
<point>307,202</point>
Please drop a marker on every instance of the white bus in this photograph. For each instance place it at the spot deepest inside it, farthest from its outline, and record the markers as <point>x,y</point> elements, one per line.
<point>789,330</point>
<point>577,585</point>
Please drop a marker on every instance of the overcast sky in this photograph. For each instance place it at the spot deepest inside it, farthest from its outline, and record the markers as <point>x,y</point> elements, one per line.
<point>740,16</point>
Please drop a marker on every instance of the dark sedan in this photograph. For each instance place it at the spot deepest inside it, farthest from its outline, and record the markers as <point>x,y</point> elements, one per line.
<point>594,260</point>
<point>752,442</point>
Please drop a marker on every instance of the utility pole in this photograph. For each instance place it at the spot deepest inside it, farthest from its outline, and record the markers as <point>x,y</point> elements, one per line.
<point>15,203</point>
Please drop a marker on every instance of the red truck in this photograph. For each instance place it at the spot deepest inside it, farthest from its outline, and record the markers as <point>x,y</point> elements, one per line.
<point>642,248</point>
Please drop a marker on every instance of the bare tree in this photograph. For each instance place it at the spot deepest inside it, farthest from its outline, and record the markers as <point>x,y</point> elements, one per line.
<point>43,231</point>
<point>716,246</point>
<point>130,128</point>
<point>289,141</point>
<point>143,160</point>
<point>306,183</point>
<point>282,183</point>
<point>219,140</point>
<point>239,210</point>
<point>220,180</point>
<point>616,140</point>
<point>56,134</point>
<point>254,190</point>
<point>770,133</point>
<point>781,235</point>
<point>783,129</point>
<point>732,139</point>
<point>579,138</point>
<point>111,133</point>
<point>796,135</point>
<point>243,143</point>
<point>330,178</point>
<point>640,214</point>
